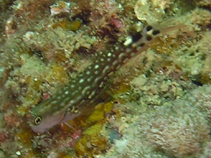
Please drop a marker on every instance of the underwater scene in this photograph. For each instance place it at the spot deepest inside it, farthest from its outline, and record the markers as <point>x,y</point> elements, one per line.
<point>105,79</point>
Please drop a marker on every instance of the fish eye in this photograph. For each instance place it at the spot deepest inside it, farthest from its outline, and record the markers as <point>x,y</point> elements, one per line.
<point>56,5</point>
<point>37,120</point>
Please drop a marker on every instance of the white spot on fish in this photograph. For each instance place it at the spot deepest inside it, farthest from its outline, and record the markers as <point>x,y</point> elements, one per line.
<point>125,60</point>
<point>96,72</point>
<point>128,41</point>
<point>121,55</point>
<point>102,59</point>
<point>88,72</point>
<point>105,69</point>
<point>90,78</point>
<point>115,63</point>
<point>54,102</point>
<point>97,80</point>
<point>66,92</point>
<point>84,91</point>
<point>109,54</point>
<point>132,54</point>
<point>101,84</point>
<point>91,95</point>
<point>62,104</point>
<point>81,80</point>
<point>96,66</point>
<point>58,97</point>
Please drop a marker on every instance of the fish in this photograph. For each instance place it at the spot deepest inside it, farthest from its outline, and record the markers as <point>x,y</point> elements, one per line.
<point>77,97</point>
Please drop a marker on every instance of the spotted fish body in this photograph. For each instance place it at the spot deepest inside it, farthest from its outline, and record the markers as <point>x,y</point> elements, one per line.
<point>73,100</point>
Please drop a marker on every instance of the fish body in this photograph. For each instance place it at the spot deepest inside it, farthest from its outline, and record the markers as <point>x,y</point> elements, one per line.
<point>75,98</point>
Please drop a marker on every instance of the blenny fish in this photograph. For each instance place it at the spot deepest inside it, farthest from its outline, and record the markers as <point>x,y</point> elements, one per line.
<point>76,98</point>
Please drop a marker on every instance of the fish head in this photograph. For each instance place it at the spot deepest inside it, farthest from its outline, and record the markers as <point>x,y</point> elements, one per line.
<point>43,124</point>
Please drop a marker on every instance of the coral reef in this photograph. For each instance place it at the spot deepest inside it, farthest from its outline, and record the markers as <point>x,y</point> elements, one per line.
<point>178,129</point>
<point>157,105</point>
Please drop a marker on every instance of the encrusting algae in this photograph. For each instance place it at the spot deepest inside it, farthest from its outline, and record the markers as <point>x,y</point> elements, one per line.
<point>135,77</point>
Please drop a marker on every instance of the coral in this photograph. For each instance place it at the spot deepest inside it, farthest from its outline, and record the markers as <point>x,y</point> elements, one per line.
<point>92,143</point>
<point>37,9</point>
<point>143,13</point>
<point>204,3</point>
<point>5,4</point>
<point>155,11</point>
<point>206,151</point>
<point>178,135</point>
<point>100,110</point>
<point>108,23</point>
<point>156,92</point>
<point>132,142</point>
<point>68,25</point>
<point>59,8</point>
<point>59,43</point>
<point>201,19</point>
<point>194,60</point>
<point>178,129</point>
<point>4,15</point>
<point>202,98</point>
